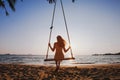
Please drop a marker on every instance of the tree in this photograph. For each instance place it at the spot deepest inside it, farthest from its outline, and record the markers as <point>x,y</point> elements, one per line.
<point>11,5</point>
<point>13,2</point>
<point>52,1</point>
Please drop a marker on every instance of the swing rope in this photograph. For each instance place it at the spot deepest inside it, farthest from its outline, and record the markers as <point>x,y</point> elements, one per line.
<point>51,28</point>
<point>66,27</point>
<point>66,31</point>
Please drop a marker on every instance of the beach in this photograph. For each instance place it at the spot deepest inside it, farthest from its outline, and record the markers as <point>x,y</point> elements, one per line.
<point>77,72</point>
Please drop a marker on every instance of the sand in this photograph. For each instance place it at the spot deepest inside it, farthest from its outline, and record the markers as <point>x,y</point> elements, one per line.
<point>40,72</point>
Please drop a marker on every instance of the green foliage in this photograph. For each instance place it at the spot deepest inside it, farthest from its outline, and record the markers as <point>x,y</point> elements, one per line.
<point>53,1</point>
<point>1,4</point>
<point>12,3</point>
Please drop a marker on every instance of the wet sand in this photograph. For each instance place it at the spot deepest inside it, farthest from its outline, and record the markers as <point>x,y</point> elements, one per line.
<point>40,72</point>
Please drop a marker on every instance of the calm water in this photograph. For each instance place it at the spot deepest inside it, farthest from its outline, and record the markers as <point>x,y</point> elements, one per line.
<point>80,59</point>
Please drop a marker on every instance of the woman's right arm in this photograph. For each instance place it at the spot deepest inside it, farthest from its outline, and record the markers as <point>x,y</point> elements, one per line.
<point>51,47</point>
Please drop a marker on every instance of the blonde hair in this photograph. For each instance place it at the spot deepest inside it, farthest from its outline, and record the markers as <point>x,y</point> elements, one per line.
<point>61,41</point>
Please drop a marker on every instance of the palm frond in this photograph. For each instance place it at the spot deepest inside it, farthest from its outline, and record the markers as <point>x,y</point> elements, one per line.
<point>51,1</point>
<point>2,4</point>
<point>12,4</point>
<point>73,0</point>
<point>7,14</point>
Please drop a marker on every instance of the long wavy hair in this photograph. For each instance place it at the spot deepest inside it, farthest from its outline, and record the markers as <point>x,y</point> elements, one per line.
<point>61,42</point>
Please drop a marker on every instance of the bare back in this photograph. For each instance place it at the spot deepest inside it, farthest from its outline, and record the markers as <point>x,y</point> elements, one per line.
<point>58,52</point>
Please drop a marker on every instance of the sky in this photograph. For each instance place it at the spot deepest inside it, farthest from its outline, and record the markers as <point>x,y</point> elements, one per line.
<point>94,26</point>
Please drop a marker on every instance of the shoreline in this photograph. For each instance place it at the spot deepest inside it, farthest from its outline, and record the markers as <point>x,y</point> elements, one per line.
<point>46,72</point>
<point>69,64</point>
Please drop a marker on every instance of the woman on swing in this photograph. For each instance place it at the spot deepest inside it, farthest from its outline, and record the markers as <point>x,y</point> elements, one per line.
<point>59,47</point>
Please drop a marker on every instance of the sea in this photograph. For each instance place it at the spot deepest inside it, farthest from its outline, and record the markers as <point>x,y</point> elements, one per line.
<point>39,59</point>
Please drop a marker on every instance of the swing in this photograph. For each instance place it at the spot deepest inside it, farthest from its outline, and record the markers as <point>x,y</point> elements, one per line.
<point>52,59</point>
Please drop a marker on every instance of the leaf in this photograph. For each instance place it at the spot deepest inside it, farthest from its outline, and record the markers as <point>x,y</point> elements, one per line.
<point>6,13</point>
<point>73,0</point>
<point>51,1</point>
<point>12,4</point>
<point>2,4</point>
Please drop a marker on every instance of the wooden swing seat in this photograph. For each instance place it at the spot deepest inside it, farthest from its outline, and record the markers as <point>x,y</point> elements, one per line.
<point>51,59</point>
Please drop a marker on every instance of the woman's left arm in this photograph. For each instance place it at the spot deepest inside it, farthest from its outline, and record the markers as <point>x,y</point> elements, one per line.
<point>65,50</point>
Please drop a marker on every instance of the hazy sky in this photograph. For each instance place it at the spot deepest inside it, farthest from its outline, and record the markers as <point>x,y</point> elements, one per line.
<point>94,26</point>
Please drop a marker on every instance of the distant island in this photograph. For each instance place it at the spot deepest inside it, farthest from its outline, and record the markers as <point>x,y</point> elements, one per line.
<point>6,54</point>
<point>10,54</point>
<point>106,54</point>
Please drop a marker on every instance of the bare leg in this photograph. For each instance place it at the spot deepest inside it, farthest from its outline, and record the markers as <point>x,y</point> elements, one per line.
<point>57,66</point>
<point>56,63</point>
